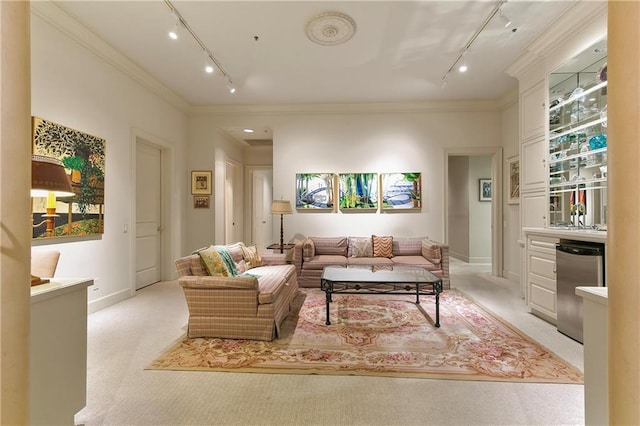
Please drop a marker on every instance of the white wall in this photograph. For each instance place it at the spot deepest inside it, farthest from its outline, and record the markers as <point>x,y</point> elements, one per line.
<point>74,87</point>
<point>458,200</point>
<point>479,211</point>
<point>209,149</point>
<point>375,142</point>
<point>469,218</point>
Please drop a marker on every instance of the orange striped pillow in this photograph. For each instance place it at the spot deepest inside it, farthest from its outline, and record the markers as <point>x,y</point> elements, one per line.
<point>382,246</point>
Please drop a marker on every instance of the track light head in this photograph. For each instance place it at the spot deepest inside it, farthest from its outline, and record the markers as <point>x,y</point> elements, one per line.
<point>463,66</point>
<point>208,66</point>
<point>173,33</point>
<point>231,87</point>
<point>504,19</point>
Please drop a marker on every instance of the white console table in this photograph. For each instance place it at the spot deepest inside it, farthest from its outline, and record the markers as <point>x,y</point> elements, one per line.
<point>58,351</point>
<point>596,387</point>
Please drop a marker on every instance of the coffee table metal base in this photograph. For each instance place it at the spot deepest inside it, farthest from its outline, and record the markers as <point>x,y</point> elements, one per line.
<point>338,287</point>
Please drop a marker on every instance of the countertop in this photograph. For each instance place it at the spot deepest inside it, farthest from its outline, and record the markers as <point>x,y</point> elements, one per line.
<point>595,294</point>
<point>577,234</point>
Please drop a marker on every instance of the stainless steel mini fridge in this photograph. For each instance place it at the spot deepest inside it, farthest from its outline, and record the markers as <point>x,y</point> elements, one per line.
<point>577,264</point>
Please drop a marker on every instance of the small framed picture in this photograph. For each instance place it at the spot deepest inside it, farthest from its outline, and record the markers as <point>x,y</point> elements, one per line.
<point>201,183</point>
<point>485,190</point>
<point>201,202</point>
<point>514,180</point>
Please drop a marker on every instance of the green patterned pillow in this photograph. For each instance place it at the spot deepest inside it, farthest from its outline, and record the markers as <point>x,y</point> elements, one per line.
<point>214,262</point>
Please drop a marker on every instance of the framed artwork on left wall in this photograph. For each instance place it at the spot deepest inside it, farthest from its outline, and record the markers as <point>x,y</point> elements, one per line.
<point>84,158</point>
<point>200,201</point>
<point>201,183</point>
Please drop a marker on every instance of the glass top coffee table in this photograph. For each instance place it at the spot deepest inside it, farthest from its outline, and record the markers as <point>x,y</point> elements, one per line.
<point>383,279</point>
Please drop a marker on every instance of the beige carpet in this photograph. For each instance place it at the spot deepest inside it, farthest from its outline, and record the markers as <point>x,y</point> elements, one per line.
<point>382,336</point>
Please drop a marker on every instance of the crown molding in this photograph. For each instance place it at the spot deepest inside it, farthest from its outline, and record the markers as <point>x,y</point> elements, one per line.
<point>581,14</point>
<point>355,108</point>
<point>66,24</point>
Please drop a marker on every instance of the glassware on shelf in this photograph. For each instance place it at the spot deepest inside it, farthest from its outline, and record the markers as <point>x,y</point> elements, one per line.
<point>598,141</point>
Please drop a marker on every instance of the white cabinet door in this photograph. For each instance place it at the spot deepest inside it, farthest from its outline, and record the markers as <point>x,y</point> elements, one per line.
<point>532,112</point>
<point>533,167</point>
<point>534,210</point>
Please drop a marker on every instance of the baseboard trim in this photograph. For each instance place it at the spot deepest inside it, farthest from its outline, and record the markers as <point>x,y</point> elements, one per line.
<point>511,276</point>
<point>106,301</point>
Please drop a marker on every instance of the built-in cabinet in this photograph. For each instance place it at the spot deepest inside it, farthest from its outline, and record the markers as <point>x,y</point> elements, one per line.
<point>562,147</point>
<point>541,274</point>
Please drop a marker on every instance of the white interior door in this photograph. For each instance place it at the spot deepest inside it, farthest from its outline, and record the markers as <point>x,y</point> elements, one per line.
<point>261,222</point>
<point>148,220</point>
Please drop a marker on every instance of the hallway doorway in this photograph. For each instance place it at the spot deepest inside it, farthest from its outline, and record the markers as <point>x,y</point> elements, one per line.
<point>473,215</point>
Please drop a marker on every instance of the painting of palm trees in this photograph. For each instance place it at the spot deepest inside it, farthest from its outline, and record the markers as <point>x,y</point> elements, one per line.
<point>315,191</point>
<point>358,191</point>
<point>83,156</point>
<point>401,190</point>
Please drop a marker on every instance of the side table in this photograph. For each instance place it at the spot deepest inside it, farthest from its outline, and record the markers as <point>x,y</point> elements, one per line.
<point>286,249</point>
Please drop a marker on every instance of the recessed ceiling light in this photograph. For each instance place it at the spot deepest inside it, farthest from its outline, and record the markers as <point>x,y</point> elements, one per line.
<point>248,130</point>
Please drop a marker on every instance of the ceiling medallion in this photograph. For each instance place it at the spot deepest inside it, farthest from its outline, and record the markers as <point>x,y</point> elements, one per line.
<point>330,28</point>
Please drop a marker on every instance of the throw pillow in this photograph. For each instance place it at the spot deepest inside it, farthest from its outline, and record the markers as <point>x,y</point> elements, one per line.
<point>214,262</point>
<point>361,247</point>
<point>252,258</point>
<point>308,250</point>
<point>382,246</point>
<point>431,252</point>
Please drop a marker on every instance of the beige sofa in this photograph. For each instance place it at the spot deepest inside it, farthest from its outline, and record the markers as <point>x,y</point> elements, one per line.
<point>311,255</point>
<point>251,305</point>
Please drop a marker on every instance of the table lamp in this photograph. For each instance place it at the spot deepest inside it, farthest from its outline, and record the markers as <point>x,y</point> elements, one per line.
<point>49,179</point>
<point>281,207</point>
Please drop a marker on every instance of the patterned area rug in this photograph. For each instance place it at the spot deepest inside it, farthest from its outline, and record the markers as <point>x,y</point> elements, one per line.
<point>382,336</point>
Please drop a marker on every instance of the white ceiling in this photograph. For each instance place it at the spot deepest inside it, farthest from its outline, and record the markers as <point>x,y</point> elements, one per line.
<point>399,53</point>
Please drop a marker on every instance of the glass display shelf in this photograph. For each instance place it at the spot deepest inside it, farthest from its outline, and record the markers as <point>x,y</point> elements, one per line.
<point>577,162</point>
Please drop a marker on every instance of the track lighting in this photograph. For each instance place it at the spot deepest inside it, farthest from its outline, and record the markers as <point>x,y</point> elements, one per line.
<point>460,59</point>
<point>504,19</point>
<point>463,66</point>
<point>211,62</point>
<point>173,33</point>
<point>444,81</point>
<point>208,66</point>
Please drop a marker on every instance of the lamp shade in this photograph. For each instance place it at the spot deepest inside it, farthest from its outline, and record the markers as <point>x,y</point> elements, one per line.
<point>48,175</point>
<point>281,207</point>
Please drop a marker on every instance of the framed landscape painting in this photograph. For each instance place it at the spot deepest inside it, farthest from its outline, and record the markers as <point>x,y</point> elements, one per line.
<point>401,191</point>
<point>83,157</point>
<point>358,191</point>
<point>315,191</point>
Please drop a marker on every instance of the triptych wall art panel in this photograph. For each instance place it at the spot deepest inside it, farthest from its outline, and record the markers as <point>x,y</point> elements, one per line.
<point>358,192</point>
<point>83,157</point>
<point>401,190</point>
<point>315,191</point>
